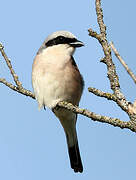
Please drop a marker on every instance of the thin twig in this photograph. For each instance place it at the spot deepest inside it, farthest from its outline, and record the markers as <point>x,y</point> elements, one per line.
<point>100,93</point>
<point>14,75</point>
<point>15,88</point>
<point>123,62</point>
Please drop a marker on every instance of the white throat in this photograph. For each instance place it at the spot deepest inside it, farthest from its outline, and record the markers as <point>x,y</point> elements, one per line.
<point>63,49</point>
<point>57,55</point>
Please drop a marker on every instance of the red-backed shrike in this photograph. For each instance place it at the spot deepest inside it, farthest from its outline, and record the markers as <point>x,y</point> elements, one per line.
<point>55,77</point>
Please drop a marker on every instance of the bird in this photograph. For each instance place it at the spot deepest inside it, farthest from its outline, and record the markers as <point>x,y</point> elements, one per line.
<point>55,78</point>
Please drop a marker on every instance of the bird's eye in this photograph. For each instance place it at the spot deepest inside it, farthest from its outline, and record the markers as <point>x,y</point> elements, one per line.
<point>61,38</point>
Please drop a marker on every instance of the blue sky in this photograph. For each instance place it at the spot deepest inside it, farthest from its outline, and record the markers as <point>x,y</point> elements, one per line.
<point>32,142</point>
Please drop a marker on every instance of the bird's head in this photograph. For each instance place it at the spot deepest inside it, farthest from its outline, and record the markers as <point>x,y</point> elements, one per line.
<point>61,39</point>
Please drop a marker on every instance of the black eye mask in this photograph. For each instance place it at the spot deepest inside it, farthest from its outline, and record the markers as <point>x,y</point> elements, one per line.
<point>60,40</point>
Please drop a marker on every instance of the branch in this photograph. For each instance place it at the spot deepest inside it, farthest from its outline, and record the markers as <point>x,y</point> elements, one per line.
<point>111,70</point>
<point>100,93</point>
<point>96,117</point>
<point>15,88</point>
<point>14,75</point>
<point>123,62</point>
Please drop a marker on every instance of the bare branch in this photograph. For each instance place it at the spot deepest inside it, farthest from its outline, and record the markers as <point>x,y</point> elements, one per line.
<point>94,34</point>
<point>14,75</point>
<point>96,117</point>
<point>100,21</point>
<point>100,93</point>
<point>123,62</point>
<point>15,88</point>
<point>111,70</point>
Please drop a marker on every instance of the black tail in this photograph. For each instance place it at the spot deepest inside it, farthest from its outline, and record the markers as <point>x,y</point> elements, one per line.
<point>75,159</point>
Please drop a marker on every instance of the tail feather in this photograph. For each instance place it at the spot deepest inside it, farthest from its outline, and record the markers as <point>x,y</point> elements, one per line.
<point>68,121</point>
<point>75,159</point>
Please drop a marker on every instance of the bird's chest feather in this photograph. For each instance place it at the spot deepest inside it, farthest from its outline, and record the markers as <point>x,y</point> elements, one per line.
<point>55,71</point>
<point>54,78</point>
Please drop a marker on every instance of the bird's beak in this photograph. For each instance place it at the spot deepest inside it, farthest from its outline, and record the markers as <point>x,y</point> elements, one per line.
<point>77,44</point>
